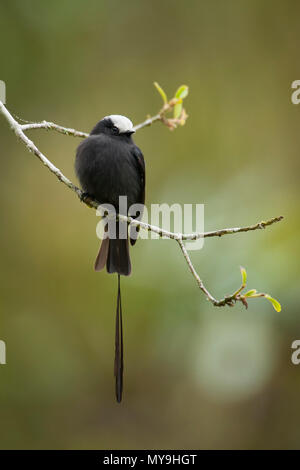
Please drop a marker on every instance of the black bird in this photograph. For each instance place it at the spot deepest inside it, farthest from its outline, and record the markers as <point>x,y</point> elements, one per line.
<point>108,165</point>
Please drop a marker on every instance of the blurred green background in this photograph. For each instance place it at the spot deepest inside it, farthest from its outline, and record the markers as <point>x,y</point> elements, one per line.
<point>195,376</point>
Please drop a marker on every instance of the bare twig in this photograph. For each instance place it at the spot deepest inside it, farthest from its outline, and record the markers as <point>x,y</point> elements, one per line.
<point>195,236</point>
<point>148,122</point>
<point>228,299</point>
<point>228,231</point>
<point>194,273</point>
<point>50,126</point>
<point>161,116</point>
<point>19,130</point>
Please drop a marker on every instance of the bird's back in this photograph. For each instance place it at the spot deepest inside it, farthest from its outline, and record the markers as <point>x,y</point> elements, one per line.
<point>107,168</point>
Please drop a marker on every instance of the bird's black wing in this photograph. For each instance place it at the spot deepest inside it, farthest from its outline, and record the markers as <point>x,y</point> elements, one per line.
<point>140,165</point>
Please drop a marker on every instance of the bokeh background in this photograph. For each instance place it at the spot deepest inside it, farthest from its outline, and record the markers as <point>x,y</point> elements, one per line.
<point>195,376</point>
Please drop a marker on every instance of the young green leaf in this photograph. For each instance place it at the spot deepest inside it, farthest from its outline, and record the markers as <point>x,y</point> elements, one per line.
<point>161,92</point>
<point>250,293</point>
<point>182,92</point>
<point>274,302</point>
<point>244,275</point>
<point>177,110</point>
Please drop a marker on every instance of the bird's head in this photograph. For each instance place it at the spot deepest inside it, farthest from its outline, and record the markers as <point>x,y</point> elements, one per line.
<point>114,125</point>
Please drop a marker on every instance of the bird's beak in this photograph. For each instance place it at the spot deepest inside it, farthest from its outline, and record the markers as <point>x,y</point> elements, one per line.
<point>129,133</point>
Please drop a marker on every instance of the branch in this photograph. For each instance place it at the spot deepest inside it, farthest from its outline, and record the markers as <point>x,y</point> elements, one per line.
<point>195,274</point>
<point>19,129</point>
<point>195,236</point>
<point>51,126</point>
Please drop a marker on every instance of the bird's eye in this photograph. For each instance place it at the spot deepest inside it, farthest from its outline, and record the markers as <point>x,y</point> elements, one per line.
<point>115,130</point>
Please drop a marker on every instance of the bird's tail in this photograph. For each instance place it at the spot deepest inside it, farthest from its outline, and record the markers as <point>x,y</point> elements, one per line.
<point>119,364</point>
<point>114,253</point>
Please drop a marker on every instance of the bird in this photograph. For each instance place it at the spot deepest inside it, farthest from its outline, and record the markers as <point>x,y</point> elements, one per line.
<point>108,165</point>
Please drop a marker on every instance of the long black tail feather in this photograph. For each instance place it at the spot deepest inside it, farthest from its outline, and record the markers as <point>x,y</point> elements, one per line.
<point>119,363</point>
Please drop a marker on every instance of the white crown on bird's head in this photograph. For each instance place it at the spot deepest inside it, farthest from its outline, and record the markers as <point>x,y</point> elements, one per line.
<point>121,122</point>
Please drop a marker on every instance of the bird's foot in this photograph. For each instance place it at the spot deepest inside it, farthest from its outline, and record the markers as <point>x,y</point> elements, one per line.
<point>83,196</point>
<point>86,198</point>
